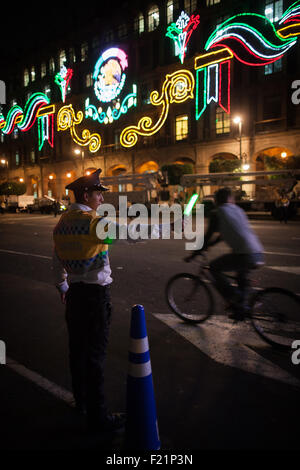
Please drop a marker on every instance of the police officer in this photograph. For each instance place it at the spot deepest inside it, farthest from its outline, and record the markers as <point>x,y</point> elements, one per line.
<point>83,277</point>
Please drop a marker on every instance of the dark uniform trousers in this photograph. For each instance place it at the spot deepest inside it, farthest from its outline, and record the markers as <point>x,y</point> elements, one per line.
<point>88,314</point>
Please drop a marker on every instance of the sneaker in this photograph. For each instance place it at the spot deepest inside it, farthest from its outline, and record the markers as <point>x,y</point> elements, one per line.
<point>112,422</point>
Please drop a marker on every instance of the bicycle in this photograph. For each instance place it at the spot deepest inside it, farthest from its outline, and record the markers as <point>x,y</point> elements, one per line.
<point>274,312</point>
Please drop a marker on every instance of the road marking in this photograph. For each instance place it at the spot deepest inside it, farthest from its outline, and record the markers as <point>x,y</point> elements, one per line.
<point>24,254</point>
<point>229,344</point>
<point>286,269</point>
<point>42,382</point>
<point>280,253</point>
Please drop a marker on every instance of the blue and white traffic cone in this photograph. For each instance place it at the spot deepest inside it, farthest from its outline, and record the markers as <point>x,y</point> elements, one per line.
<point>141,424</point>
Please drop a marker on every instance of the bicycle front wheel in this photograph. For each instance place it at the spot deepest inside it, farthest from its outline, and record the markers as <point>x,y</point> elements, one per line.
<point>189,298</point>
<point>276,316</point>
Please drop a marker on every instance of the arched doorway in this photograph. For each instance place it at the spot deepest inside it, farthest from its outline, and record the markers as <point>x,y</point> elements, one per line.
<point>148,167</point>
<point>271,158</point>
<point>118,170</point>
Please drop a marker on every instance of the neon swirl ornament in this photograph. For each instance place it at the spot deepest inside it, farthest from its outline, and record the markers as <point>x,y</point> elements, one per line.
<point>112,113</point>
<point>109,74</point>
<point>177,88</point>
<point>25,119</point>
<point>290,22</point>
<point>181,31</point>
<point>62,79</point>
<point>251,38</point>
<point>66,119</point>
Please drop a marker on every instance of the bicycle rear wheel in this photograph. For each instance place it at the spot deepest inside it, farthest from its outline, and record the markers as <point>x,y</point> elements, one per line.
<point>189,298</point>
<point>276,316</point>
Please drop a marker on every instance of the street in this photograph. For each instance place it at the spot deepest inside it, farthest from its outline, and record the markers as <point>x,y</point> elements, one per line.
<point>217,385</point>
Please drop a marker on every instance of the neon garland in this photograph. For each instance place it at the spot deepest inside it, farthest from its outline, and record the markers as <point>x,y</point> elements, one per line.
<point>109,77</point>
<point>66,119</point>
<point>111,114</point>
<point>62,79</point>
<point>177,88</point>
<point>181,31</point>
<point>257,48</point>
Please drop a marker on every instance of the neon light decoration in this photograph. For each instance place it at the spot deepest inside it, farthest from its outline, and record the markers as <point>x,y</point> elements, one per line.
<point>181,31</point>
<point>66,119</point>
<point>251,38</point>
<point>189,207</point>
<point>290,21</point>
<point>109,77</point>
<point>36,107</point>
<point>62,79</point>
<point>112,113</point>
<point>177,88</point>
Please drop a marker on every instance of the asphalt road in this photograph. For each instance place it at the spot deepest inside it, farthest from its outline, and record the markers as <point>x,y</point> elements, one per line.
<point>238,393</point>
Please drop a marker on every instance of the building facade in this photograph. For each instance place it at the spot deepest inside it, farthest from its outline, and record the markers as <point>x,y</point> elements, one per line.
<point>97,80</point>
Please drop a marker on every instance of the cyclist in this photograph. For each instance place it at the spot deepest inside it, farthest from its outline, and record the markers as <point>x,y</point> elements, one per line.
<point>232,224</point>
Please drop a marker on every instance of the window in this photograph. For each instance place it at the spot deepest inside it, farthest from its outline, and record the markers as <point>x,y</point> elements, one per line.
<point>32,156</point>
<point>84,51</point>
<point>62,58</point>
<point>43,70</point>
<point>32,73</point>
<point>51,65</point>
<point>17,159</point>
<point>190,6</point>
<point>210,3</point>
<point>181,127</point>
<point>274,10</point>
<point>222,121</point>
<point>72,55</point>
<point>273,68</point>
<point>15,133</point>
<point>153,18</point>
<point>96,42</point>
<point>47,91</point>
<point>89,80</point>
<point>145,93</point>
<point>109,36</point>
<point>122,30</point>
<point>139,24</point>
<point>26,77</point>
<point>170,11</point>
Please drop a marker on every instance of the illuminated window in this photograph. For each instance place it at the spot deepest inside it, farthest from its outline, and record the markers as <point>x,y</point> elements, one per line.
<point>15,133</point>
<point>153,18</point>
<point>17,159</point>
<point>273,68</point>
<point>181,127</point>
<point>32,156</point>
<point>51,65</point>
<point>190,6</point>
<point>43,70</point>
<point>210,3</point>
<point>274,10</point>
<point>139,24</point>
<point>222,121</point>
<point>84,51</point>
<point>26,77</point>
<point>32,73</point>
<point>62,58</point>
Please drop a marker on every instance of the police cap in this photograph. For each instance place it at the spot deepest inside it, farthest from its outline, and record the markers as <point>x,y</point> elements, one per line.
<point>87,183</point>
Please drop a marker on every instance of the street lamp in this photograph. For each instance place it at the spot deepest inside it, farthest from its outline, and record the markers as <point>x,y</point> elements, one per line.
<point>238,120</point>
<point>78,152</point>
<point>4,162</point>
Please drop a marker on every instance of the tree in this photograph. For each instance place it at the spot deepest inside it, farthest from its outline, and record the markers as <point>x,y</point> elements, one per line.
<point>222,165</point>
<point>12,188</point>
<point>176,170</point>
